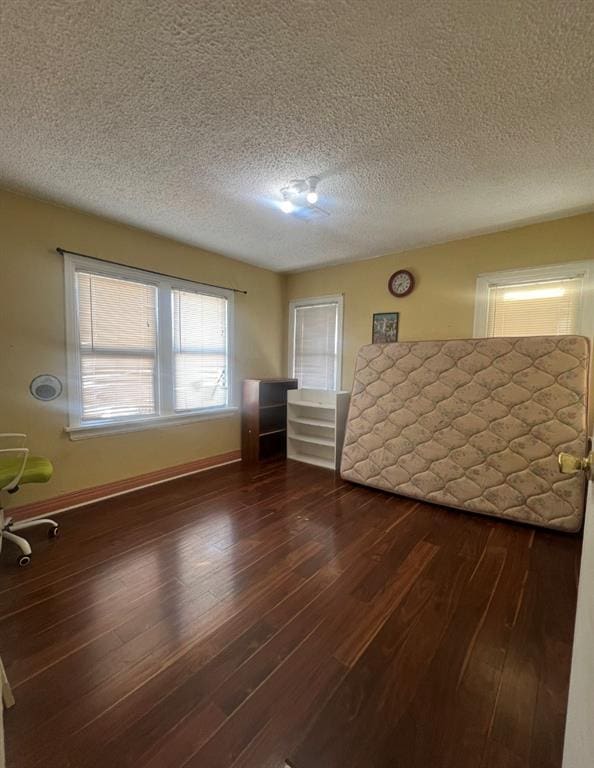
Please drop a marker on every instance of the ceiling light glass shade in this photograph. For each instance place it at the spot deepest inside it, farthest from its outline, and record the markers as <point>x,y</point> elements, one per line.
<point>287,206</point>
<point>312,198</point>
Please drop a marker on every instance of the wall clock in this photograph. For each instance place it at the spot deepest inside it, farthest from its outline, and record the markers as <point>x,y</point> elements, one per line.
<point>401,283</point>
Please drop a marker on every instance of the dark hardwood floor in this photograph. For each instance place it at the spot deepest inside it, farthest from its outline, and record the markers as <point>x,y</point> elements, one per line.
<point>241,617</point>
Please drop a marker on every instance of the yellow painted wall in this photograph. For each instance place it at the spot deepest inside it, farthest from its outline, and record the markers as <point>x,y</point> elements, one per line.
<point>32,340</point>
<point>32,323</point>
<point>442,304</point>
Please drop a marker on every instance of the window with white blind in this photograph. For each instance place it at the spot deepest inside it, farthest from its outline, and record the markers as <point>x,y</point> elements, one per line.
<point>543,301</point>
<point>142,347</point>
<point>315,341</point>
<point>200,347</point>
<point>117,322</point>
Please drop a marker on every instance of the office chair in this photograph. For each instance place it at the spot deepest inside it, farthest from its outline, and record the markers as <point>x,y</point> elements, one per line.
<point>17,467</point>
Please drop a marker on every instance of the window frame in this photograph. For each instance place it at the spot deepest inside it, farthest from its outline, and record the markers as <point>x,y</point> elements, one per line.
<point>309,302</point>
<point>164,354</point>
<point>569,270</point>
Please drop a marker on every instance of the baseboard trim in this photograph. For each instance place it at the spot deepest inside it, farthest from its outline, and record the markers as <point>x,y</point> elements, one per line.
<point>86,496</point>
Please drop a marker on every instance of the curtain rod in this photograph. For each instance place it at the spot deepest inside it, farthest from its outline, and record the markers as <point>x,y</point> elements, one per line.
<point>62,251</point>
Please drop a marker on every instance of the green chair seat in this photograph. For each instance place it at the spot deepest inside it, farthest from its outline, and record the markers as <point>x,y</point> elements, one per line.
<point>37,470</point>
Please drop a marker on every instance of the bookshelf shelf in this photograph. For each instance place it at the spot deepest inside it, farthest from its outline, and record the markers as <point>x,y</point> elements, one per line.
<point>315,426</point>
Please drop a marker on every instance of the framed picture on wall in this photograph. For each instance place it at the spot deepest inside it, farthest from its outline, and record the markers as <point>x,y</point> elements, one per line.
<point>385,328</point>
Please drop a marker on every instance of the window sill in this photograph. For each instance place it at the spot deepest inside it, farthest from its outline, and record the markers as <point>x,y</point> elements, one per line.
<point>117,428</point>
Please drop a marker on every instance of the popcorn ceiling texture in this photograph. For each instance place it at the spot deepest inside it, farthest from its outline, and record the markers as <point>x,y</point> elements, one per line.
<point>475,424</point>
<point>427,121</point>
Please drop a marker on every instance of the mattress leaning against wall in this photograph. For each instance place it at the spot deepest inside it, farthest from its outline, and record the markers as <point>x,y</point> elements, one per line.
<point>474,424</point>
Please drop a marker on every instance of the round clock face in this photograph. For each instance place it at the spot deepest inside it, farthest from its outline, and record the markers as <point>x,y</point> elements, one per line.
<point>401,283</point>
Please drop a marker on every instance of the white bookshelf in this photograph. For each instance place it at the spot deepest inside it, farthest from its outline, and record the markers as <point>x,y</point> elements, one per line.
<point>316,421</point>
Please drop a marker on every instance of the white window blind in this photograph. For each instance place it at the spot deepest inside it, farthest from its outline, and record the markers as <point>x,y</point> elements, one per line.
<point>117,322</point>
<point>144,347</point>
<point>200,348</point>
<point>316,344</point>
<point>543,308</point>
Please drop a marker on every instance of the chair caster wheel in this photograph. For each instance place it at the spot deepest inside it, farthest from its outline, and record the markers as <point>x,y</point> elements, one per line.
<point>53,532</point>
<point>23,561</point>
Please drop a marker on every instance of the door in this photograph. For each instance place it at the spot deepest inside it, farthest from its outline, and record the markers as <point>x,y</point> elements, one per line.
<point>579,731</point>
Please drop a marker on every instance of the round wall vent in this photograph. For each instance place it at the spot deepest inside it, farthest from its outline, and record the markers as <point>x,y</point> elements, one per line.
<point>46,387</point>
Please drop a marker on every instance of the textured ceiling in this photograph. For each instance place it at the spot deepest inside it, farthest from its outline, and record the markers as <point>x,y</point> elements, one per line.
<point>425,120</point>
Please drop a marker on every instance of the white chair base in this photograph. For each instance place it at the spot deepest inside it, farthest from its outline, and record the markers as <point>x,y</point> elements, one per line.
<point>9,530</point>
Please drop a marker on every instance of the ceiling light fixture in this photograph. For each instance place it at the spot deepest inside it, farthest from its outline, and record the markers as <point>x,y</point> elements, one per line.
<point>299,193</point>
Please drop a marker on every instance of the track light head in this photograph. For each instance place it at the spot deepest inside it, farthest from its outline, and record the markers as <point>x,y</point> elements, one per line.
<point>312,196</point>
<point>296,190</point>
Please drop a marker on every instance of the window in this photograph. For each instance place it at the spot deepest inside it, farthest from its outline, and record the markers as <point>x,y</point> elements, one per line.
<point>117,322</point>
<point>143,348</point>
<point>543,301</point>
<point>315,336</point>
<point>200,347</point>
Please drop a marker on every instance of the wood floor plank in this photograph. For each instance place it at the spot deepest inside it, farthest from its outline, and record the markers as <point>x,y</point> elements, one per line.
<point>185,702</point>
<point>245,616</point>
<point>379,688</point>
<point>130,666</point>
<point>535,680</point>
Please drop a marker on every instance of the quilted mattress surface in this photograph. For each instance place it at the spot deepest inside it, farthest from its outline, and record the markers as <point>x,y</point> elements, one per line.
<point>474,424</point>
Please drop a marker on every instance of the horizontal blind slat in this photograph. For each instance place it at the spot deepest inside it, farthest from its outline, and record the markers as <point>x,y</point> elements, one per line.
<point>200,350</point>
<point>118,347</point>
<point>540,308</point>
<point>315,339</point>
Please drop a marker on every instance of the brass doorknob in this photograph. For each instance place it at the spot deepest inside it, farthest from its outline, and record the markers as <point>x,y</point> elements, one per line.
<point>569,464</point>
